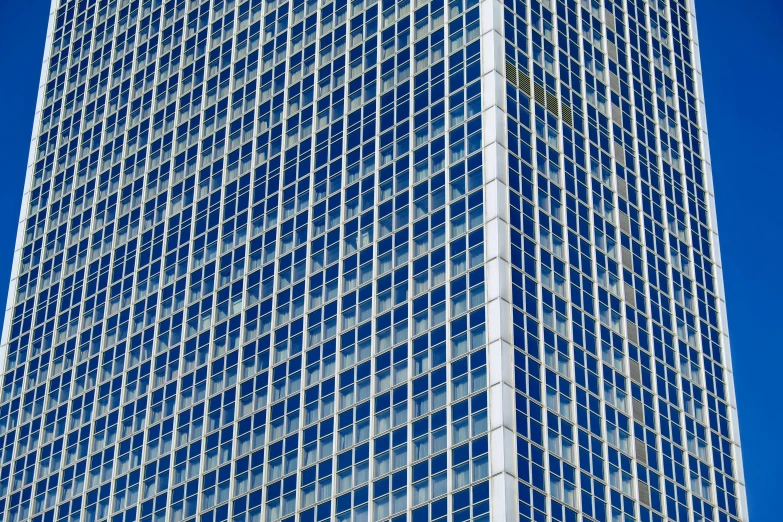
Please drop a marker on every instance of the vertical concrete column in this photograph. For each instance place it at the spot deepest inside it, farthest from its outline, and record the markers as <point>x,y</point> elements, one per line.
<point>503,490</point>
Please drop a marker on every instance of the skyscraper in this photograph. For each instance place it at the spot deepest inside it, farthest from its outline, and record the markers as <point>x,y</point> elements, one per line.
<point>369,260</point>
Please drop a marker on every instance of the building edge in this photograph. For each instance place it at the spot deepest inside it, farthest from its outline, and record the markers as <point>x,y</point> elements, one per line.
<point>503,490</point>
<point>725,342</point>
<point>11,297</point>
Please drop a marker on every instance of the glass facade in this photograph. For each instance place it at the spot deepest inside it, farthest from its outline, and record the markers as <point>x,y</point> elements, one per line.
<point>364,260</point>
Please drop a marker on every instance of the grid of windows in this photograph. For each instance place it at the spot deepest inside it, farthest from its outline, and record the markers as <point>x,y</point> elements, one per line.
<point>616,329</point>
<point>258,267</point>
<point>252,282</point>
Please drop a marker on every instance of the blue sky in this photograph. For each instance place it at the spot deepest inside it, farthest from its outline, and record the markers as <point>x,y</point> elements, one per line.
<point>742,57</point>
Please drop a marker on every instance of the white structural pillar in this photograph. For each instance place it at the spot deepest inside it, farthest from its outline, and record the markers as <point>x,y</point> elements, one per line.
<point>502,451</point>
